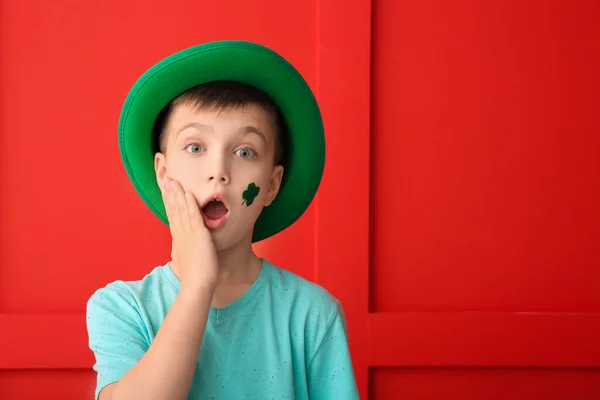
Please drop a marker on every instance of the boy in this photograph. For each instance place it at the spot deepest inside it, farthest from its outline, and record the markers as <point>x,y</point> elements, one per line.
<point>224,142</point>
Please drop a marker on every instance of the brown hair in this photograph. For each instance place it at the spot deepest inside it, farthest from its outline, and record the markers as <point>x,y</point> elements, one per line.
<point>222,95</point>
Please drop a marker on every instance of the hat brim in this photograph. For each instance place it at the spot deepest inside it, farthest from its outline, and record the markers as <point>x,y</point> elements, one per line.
<point>239,61</point>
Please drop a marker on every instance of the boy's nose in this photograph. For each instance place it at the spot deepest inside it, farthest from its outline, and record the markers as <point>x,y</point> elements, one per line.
<point>218,168</point>
<point>221,177</point>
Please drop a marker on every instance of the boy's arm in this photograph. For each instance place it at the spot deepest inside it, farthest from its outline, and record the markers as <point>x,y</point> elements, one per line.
<point>330,371</point>
<point>124,361</point>
<point>166,369</point>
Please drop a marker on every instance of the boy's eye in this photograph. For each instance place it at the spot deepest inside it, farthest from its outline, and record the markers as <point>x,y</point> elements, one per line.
<point>245,153</point>
<point>194,148</point>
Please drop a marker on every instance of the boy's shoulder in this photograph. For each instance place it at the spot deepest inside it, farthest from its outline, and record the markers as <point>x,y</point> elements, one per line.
<point>306,296</point>
<point>285,280</point>
<point>134,292</point>
<point>306,306</point>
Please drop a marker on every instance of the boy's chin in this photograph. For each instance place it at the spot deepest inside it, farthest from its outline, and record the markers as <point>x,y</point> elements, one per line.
<point>224,239</point>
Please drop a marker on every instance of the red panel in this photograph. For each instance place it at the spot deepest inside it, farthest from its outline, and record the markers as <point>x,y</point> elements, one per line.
<point>484,191</point>
<point>484,383</point>
<point>63,384</point>
<point>484,339</point>
<point>486,156</point>
<point>44,341</point>
<point>342,234</point>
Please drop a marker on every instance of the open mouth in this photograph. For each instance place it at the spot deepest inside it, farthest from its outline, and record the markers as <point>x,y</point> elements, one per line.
<point>214,212</point>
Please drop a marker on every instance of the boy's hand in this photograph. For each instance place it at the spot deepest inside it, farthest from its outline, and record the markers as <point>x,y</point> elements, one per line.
<point>193,250</point>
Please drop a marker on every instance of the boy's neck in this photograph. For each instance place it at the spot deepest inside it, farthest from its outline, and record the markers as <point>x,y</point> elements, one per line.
<point>239,268</point>
<point>238,264</point>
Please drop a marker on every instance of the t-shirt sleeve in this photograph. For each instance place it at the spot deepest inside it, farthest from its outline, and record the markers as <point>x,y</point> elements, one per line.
<point>115,334</point>
<point>330,372</point>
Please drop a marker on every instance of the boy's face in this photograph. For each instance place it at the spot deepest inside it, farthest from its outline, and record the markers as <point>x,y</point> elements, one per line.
<point>227,154</point>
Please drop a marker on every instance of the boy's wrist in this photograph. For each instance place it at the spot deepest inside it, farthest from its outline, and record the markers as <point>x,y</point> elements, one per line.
<point>202,292</point>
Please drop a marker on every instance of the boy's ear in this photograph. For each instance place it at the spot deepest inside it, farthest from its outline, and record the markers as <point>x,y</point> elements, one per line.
<point>160,168</point>
<point>274,184</point>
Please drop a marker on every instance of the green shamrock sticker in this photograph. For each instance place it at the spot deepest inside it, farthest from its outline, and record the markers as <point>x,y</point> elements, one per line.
<point>250,193</point>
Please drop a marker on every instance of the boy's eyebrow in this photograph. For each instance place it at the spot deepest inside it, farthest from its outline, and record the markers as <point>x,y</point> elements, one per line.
<point>196,125</point>
<point>252,129</point>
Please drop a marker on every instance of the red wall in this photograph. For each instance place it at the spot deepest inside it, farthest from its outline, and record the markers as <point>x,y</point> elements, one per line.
<point>458,219</point>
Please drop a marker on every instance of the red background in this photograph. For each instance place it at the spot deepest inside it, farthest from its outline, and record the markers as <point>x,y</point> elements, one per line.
<point>458,220</point>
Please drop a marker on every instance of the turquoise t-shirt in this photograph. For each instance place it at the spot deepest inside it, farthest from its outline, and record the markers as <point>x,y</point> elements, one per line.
<point>285,338</point>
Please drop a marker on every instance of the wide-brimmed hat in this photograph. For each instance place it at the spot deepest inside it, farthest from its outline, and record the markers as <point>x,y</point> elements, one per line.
<point>239,61</point>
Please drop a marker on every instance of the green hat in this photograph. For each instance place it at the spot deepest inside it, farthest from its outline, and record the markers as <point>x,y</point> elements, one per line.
<point>239,61</point>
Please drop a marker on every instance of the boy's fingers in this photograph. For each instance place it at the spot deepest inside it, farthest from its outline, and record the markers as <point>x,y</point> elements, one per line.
<point>170,204</point>
<point>181,208</point>
<point>193,211</point>
<point>164,187</point>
